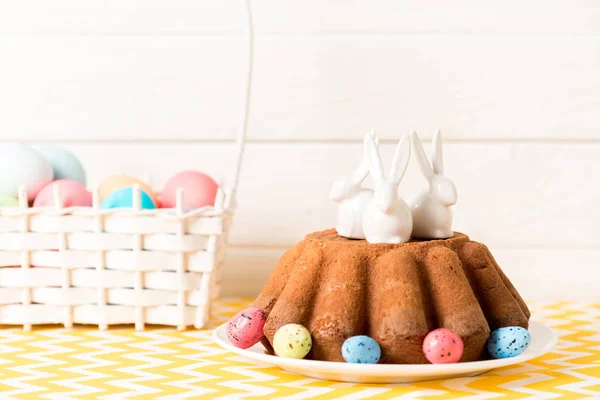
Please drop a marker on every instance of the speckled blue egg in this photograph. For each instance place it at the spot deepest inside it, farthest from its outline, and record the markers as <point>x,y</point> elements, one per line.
<point>508,342</point>
<point>361,350</point>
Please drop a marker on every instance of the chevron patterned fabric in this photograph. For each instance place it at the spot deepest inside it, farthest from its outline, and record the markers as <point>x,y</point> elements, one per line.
<point>163,363</point>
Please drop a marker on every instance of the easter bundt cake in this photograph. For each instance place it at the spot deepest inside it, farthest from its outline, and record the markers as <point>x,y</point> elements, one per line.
<point>395,293</point>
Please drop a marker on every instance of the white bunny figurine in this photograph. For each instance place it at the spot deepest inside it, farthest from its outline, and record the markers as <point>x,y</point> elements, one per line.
<point>432,215</point>
<point>352,199</point>
<point>387,218</point>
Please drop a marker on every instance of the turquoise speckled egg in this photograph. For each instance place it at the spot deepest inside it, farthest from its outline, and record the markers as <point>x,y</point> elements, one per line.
<point>361,350</point>
<point>292,341</point>
<point>123,198</point>
<point>508,342</point>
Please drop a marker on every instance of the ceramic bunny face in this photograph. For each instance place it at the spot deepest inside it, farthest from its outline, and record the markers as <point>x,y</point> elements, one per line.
<point>444,190</point>
<point>387,217</point>
<point>352,199</point>
<point>432,215</point>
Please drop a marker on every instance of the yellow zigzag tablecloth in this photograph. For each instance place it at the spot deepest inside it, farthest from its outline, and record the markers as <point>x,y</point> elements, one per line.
<point>164,363</point>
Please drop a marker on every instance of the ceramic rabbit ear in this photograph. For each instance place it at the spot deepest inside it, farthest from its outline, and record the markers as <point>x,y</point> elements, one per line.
<point>400,160</point>
<point>372,155</point>
<point>437,158</point>
<point>374,136</point>
<point>363,168</point>
<point>422,159</point>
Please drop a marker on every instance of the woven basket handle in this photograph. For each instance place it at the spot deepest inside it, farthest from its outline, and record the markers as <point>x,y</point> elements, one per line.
<point>242,129</point>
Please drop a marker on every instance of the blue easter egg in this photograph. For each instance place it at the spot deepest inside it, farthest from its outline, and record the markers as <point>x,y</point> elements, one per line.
<point>64,164</point>
<point>361,350</point>
<point>508,342</point>
<point>123,198</point>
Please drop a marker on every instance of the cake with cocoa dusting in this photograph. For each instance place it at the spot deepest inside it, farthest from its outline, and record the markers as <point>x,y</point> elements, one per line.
<point>370,292</point>
<point>395,293</point>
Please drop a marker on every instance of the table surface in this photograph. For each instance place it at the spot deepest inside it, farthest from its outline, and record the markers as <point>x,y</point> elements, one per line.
<point>50,362</point>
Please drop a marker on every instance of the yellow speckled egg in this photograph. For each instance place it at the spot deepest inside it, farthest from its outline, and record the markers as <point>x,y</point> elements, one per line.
<point>292,341</point>
<point>116,182</point>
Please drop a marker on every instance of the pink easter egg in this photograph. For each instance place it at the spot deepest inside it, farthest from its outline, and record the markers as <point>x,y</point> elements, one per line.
<point>199,190</point>
<point>245,329</point>
<point>443,346</point>
<point>71,194</point>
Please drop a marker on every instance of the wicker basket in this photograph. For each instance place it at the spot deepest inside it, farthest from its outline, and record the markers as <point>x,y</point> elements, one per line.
<point>83,265</point>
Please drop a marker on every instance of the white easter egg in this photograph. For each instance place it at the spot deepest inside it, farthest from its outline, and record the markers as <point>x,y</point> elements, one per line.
<point>64,164</point>
<point>22,165</point>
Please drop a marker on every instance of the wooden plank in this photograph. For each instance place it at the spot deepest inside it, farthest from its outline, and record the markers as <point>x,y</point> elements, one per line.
<point>332,88</point>
<point>564,274</point>
<point>300,16</point>
<point>510,194</point>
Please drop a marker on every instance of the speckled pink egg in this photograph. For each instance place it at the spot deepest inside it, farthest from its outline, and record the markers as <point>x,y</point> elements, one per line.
<point>71,194</point>
<point>245,329</point>
<point>199,190</point>
<point>443,346</point>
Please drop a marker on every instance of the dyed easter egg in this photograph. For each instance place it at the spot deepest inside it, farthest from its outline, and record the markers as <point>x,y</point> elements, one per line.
<point>71,194</point>
<point>508,342</point>
<point>8,201</point>
<point>292,341</point>
<point>123,198</point>
<point>361,350</point>
<point>442,346</point>
<point>64,164</point>
<point>22,165</point>
<point>115,182</point>
<point>245,329</point>
<point>199,190</point>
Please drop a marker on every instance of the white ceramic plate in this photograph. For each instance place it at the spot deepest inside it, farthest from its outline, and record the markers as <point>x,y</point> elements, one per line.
<point>543,339</point>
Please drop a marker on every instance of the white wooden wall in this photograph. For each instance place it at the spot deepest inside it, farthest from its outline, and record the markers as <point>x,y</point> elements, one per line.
<point>150,87</point>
